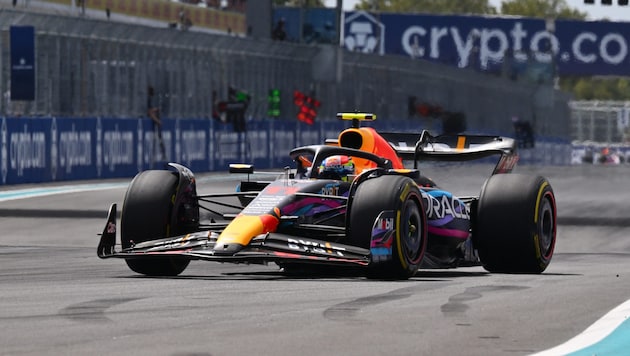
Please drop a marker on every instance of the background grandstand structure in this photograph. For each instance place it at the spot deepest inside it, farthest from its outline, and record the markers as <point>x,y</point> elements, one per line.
<point>89,67</point>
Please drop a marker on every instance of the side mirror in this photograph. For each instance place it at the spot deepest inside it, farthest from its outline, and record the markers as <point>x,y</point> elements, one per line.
<point>241,168</point>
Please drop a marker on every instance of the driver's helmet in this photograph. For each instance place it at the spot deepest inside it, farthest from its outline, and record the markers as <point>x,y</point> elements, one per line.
<point>336,167</point>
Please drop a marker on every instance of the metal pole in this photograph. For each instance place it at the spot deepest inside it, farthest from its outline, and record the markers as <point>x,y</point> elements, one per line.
<point>592,125</point>
<point>338,13</point>
<point>301,29</point>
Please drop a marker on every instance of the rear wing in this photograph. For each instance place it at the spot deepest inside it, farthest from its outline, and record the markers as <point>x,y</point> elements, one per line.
<point>424,147</point>
<point>397,146</point>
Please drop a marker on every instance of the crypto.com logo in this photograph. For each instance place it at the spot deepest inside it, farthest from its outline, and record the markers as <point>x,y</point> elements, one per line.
<point>364,33</point>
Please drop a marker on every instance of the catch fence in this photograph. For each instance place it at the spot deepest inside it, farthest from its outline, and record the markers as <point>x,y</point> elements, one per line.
<point>98,68</point>
<point>606,122</point>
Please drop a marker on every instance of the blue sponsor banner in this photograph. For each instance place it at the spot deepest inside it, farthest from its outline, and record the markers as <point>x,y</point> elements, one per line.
<point>573,47</point>
<point>72,149</point>
<point>119,145</point>
<point>284,139</point>
<point>191,142</point>
<point>593,48</point>
<point>228,146</point>
<point>258,143</point>
<point>25,150</point>
<point>54,149</point>
<point>319,25</point>
<point>22,62</point>
<point>291,18</point>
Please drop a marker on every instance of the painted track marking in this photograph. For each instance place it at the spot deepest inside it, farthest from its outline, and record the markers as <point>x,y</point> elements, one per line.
<point>607,336</point>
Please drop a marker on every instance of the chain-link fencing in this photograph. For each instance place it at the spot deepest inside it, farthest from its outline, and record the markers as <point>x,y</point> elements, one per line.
<point>600,121</point>
<point>88,67</point>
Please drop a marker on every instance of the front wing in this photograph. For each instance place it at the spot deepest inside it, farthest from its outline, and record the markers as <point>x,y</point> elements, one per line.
<point>270,247</point>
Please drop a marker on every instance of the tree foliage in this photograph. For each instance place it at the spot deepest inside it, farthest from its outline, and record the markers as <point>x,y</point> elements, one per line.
<point>558,9</point>
<point>586,88</point>
<point>307,3</point>
<point>429,6</point>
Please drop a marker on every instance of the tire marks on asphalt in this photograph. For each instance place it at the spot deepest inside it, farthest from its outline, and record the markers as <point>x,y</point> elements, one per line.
<point>93,310</point>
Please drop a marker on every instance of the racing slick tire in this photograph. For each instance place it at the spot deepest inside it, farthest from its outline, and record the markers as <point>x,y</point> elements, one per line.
<point>399,196</point>
<point>146,215</point>
<point>515,228</point>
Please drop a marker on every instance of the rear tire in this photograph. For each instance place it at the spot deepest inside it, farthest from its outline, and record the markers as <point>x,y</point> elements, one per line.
<point>401,196</point>
<point>515,228</point>
<point>146,215</point>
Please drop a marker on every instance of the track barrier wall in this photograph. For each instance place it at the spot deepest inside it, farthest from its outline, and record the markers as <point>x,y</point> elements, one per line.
<point>39,149</point>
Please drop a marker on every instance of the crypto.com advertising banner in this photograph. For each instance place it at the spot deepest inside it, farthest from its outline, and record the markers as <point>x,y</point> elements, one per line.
<point>578,47</point>
<point>37,149</point>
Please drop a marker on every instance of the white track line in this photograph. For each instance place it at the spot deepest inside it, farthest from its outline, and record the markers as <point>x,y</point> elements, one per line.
<point>594,333</point>
<point>40,192</point>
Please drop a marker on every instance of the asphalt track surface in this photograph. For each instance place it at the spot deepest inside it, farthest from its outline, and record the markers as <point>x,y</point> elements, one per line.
<point>58,298</point>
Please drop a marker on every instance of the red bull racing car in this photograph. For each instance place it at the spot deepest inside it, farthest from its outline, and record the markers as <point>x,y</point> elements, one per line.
<point>357,203</point>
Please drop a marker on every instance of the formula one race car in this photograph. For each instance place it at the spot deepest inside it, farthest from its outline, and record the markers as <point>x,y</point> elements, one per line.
<point>351,205</point>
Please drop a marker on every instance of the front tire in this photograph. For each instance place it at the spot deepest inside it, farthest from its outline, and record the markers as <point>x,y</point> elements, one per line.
<point>515,229</point>
<point>146,215</point>
<point>400,197</point>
